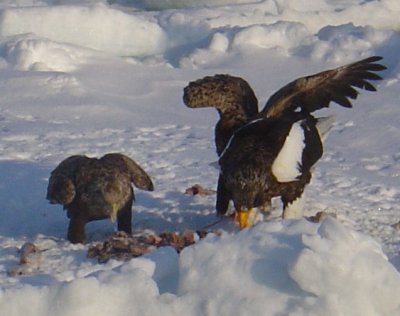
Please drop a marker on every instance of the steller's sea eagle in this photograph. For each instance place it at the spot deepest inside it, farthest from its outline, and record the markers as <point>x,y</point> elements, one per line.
<point>92,189</point>
<point>272,154</point>
<point>233,98</point>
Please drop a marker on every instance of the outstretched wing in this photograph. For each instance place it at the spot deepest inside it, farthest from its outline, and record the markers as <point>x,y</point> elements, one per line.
<point>126,165</point>
<point>317,91</point>
<point>61,187</point>
<point>224,92</point>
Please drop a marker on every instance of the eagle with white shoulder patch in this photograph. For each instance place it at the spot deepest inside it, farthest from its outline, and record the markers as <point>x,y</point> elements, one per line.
<point>287,165</point>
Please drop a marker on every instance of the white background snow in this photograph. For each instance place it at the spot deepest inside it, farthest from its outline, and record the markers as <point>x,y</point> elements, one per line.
<point>92,77</point>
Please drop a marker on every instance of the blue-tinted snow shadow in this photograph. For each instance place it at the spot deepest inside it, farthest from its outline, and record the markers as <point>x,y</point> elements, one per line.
<point>271,270</point>
<point>173,211</point>
<point>24,210</point>
<point>396,262</point>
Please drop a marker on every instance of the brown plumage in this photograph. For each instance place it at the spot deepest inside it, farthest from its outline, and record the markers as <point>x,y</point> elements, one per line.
<point>315,92</point>
<point>247,175</point>
<point>250,167</point>
<point>231,96</point>
<point>92,189</point>
<point>251,173</point>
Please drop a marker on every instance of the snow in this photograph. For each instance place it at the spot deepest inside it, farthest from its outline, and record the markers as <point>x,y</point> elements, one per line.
<point>92,77</point>
<point>119,33</point>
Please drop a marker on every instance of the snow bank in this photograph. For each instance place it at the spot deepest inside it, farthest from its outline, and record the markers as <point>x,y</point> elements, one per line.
<point>97,27</point>
<point>29,52</point>
<point>292,268</point>
<point>128,290</point>
<point>363,279</point>
<point>284,25</point>
<point>101,103</point>
<point>185,35</point>
<point>171,4</point>
<point>282,36</point>
<point>283,29</point>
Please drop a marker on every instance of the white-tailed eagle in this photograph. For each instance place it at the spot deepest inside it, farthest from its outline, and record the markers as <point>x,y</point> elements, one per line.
<point>93,189</point>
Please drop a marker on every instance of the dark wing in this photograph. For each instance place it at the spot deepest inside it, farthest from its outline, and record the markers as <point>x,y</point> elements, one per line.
<point>317,91</point>
<point>223,92</point>
<point>127,166</point>
<point>61,187</point>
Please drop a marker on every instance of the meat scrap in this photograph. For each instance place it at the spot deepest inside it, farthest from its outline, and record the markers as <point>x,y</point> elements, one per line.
<point>197,189</point>
<point>320,216</point>
<point>29,260</point>
<point>396,225</point>
<point>122,246</point>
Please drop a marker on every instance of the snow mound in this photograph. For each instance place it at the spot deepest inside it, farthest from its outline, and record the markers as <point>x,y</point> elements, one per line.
<point>168,4</point>
<point>278,268</point>
<point>97,27</point>
<point>65,90</point>
<point>281,35</point>
<point>292,269</point>
<point>353,290</point>
<point>28,52</point>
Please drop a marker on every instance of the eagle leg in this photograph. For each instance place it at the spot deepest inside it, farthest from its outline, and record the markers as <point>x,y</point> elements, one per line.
<point>76,230</point>
<point>294,208</point>
<point>266,208</point>
<point>125,218</point>
<point>222,197</point>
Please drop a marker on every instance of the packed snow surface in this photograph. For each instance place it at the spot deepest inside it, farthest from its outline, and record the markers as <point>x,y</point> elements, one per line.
<point>93,77</point>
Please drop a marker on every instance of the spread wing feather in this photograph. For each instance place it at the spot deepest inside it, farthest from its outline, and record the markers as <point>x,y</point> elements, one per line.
<point>314,92</point>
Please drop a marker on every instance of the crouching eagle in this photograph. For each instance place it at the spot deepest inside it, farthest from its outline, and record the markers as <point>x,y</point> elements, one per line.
<point>272,154</point>
<point>93,189</point>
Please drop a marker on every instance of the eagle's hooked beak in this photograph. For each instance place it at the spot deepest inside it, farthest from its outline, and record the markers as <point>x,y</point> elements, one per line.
<point>245,218</point>
<point>242,218</point>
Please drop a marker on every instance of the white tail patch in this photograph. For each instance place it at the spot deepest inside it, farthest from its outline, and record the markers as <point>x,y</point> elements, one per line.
<point>294,210</point>
<point>324,126</point>
<point>286,166</point>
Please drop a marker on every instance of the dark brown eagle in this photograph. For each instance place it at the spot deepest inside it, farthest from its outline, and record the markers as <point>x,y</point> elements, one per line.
<point>93,189</point>
<point>272,153</point>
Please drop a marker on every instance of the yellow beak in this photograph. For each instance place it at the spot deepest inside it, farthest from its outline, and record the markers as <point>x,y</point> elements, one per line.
<point>246,218</point>
<point>242,217</point>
